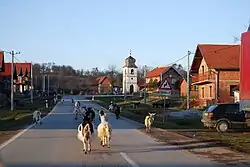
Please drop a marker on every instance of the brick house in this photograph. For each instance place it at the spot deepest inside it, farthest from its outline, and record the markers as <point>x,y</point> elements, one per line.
<point>1,61</point>
<point>1,70</point>
<point>104,84</point>
<point>159,74</point>
<point>215,72</point>
<point>21,76</point>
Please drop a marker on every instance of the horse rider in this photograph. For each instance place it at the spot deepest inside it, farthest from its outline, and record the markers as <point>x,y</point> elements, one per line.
<point>77,104</point>
<point>101,113</point>
<point>89,112</point>
<point>117,111</point>
<point>111,106</point>
<point>87,119</point>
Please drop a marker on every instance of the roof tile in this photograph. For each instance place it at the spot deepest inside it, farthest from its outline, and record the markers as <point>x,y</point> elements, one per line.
<point>156,72</point>
<point>19,66</point>
<point>221,56</point>
<point>217,56</point>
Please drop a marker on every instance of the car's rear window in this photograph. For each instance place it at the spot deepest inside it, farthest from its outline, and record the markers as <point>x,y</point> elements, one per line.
<point>211,108</point>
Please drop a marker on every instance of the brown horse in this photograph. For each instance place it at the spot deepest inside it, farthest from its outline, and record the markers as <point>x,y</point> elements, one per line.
<point>84,135</point>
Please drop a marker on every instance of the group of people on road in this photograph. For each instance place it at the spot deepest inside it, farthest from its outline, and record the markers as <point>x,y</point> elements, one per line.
<point>89,114</point>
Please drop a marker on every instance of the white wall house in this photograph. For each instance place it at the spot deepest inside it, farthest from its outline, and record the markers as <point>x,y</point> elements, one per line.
<point>130,75</point>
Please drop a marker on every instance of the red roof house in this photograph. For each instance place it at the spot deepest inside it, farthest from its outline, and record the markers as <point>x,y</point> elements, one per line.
<point>215,72</point>
<point>1,61</point>
<point>103,84</point>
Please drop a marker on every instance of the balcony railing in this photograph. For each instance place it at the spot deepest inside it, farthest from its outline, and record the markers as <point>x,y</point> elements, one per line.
<point>202,77</point>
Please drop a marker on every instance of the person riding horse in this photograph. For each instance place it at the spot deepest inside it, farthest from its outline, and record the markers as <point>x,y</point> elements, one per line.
<point>87,119</point>
<point>101,113</point>
<point>90,113</point>
<point>117,111</point>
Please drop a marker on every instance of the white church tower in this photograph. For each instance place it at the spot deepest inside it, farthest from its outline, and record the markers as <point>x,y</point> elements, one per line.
<point>130,75</point>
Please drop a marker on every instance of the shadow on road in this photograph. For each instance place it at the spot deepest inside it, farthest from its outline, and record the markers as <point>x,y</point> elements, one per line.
<point>112,165</point>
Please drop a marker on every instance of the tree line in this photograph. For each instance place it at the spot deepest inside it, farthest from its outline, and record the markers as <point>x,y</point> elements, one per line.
<point>65,77</point>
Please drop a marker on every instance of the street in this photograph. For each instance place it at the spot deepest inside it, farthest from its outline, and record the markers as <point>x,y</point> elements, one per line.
<point>54,143</point>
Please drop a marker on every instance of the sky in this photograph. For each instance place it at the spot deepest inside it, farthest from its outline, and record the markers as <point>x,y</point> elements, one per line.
<point>98,33</point>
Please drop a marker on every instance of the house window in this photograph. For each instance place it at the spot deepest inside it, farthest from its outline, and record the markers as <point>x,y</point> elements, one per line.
<point>202,92</point>
<point>232,89</point>
<point>195,87</point>
<point>210,91</point>
<point>173,80</point>
<point>131,78</point>
<point>202,70</point>
<point>132,71</point>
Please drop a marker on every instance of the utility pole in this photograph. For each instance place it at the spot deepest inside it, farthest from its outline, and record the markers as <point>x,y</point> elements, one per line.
<point>44,77</point>
<point>12,53</point>
<point>48,83</point>
<point>125,84</point>
<point>145,87</point>
<point>31,83</point>
<point>188,81</point>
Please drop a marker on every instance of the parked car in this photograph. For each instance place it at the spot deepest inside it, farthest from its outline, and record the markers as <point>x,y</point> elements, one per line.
<point>225,116</point>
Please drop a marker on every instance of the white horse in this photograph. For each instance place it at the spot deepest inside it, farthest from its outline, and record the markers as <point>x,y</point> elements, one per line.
<point>149,119</point>
<point>37,117</point>
<point>84,135</point>
<point>104,131</point>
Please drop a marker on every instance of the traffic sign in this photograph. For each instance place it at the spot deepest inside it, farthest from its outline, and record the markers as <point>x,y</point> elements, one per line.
<point>165,85</point>
<point>165,88</point>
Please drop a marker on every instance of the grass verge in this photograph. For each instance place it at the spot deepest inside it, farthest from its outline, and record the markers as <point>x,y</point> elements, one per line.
<point>11,122</point>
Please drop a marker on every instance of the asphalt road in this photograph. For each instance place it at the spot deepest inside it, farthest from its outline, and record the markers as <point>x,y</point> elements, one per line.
<point>54,143</point>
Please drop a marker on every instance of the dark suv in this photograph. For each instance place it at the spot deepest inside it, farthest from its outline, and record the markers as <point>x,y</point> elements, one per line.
<point>224,117</point>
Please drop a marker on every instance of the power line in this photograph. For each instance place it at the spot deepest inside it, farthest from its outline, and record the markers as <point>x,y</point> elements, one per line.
<point>177,60</point>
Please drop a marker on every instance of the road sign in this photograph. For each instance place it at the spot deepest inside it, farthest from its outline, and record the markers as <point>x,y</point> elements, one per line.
<point>165,87</point>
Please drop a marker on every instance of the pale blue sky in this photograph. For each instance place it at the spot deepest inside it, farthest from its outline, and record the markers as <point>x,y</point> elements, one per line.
<point>96,33</point>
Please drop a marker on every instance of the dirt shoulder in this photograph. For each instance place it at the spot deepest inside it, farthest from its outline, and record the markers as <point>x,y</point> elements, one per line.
<point>210,149</point>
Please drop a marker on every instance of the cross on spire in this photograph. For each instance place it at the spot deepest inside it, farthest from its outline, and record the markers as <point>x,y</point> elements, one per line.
<point>130,52</point>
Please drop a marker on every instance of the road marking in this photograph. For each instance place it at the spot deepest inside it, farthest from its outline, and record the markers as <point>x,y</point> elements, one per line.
<point>13,138</point>
<point>129,160</point>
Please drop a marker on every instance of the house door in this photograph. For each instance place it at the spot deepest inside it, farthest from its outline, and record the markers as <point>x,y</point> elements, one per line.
<point>131,89</point>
